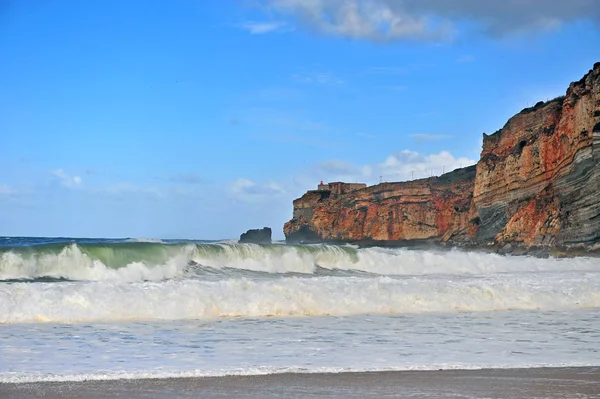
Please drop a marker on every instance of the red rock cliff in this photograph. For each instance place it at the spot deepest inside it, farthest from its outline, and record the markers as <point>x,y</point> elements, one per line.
<point>438,208</point>
<point>537,183</point>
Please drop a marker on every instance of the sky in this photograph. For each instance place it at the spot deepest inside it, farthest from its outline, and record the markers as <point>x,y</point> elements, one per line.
<point>202,119</point>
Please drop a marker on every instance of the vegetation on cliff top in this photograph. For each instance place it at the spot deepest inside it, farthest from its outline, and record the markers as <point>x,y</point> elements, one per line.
<point>528,110</point>
<point>542,104</point>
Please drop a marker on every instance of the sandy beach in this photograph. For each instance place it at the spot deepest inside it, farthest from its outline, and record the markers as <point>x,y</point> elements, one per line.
<point>491,384</point>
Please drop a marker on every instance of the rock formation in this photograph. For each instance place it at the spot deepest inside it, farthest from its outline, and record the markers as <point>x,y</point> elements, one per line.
<point>256,236</point>
<point>537,183</point>
<point>437,208</point>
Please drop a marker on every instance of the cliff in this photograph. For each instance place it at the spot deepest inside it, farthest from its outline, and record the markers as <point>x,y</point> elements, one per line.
<point>537,183</point>
<point>438,208</point>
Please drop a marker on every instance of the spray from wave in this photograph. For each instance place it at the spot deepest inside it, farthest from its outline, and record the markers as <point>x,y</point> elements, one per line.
<point>145,261</point>
<point>292,296</point>
<point>70,282</point>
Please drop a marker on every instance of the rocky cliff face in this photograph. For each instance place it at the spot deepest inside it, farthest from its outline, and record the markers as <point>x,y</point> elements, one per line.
<point>537,184</point>
<point>439,208</point>
<point>538,181</point>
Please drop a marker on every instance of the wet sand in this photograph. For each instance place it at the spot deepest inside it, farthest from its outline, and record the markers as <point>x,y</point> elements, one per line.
<point>578,383</point>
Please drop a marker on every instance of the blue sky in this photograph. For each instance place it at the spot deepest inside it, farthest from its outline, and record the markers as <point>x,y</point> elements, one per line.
<point>202,119</point>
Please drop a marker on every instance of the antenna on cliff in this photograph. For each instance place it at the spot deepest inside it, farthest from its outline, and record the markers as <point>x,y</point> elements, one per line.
<point>380,179</point>
<point>412,175</point>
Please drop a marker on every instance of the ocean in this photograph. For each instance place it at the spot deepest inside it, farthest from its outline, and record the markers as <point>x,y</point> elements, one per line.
<point>95,310</point>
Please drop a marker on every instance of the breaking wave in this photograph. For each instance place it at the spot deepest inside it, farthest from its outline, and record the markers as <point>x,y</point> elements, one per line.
<point>81,282</point>
<point>151,261</point>
<point>292,296</point>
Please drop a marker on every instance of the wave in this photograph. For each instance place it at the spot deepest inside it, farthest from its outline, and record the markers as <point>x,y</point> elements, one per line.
<point>292,296</point>
<point>150,261</point>
<point>15,378</point>
<point>146,240</point>
<point>92,262</point>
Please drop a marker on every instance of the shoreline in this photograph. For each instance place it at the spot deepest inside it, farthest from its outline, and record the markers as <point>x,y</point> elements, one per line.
<point>582,382</point>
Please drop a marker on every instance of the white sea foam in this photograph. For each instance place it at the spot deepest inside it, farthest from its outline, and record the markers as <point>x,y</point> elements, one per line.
<point>167,311</point>
<point>257,371</point>
<point>385,261</point>
<point>146,240</point>
<point>73,264</point>
<point>315,296</point>
<point>252,346</point>
<point>170,261</point>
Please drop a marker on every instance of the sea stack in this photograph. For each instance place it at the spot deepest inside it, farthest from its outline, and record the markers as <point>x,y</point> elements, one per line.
<point>256,236</point>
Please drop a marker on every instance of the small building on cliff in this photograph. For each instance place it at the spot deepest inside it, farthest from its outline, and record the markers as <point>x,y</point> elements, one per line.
<point>536,185</point>
<point>340,187</point>
<point>303,207</point>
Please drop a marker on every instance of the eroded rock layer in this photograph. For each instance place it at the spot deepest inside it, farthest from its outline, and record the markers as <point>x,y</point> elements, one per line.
<point>438,208</point>
<point>537,183</point>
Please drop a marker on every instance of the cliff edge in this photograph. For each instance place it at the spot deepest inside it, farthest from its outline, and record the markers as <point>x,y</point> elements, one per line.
<point>537,184</point>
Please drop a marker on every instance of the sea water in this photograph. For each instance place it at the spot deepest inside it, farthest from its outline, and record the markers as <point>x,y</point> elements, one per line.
<point>73,309</point>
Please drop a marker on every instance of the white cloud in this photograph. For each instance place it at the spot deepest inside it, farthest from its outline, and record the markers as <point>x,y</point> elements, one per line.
<point>406,165</point>
<point>360,19</point>
<point>388,20</point>
<point>400,166</point>
<point>65,179</point>
<point>258,28</point>
<point>248,191</point>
